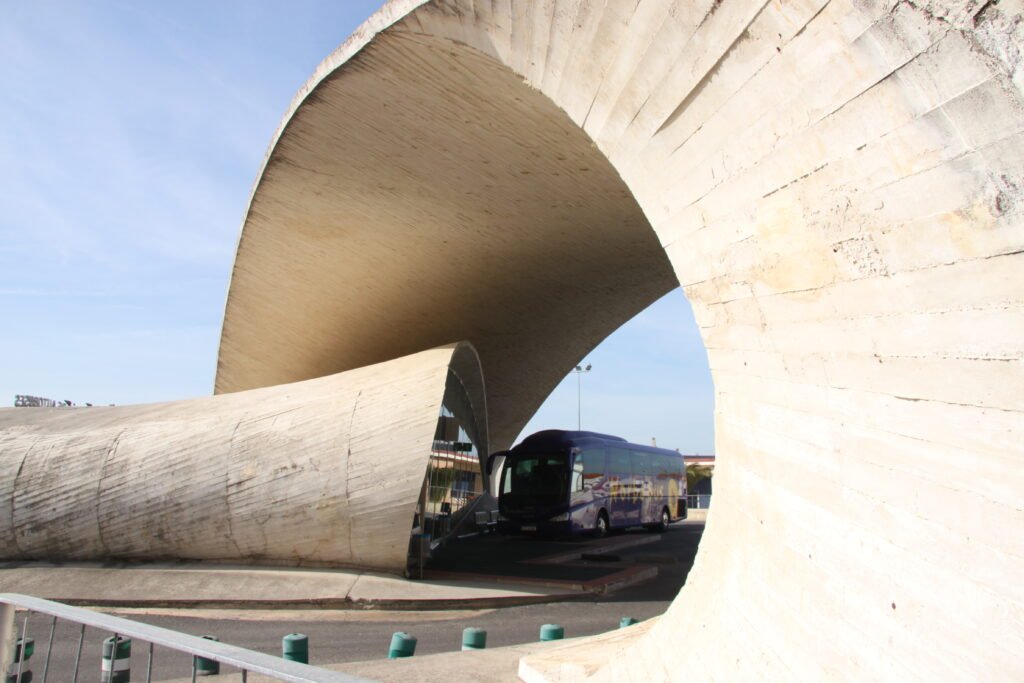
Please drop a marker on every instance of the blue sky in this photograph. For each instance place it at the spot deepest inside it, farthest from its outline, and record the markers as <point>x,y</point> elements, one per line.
<point>130,136</point>
<point>649,379</point>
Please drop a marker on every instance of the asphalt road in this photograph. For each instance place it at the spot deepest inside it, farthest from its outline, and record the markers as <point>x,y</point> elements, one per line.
<point>345,636</point>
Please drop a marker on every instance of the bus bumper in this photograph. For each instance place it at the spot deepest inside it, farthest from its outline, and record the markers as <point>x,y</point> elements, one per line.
<point>545,528</point>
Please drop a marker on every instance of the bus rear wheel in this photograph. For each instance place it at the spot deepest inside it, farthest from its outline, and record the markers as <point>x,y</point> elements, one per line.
<point>662,524</point>
<point>601,525</point>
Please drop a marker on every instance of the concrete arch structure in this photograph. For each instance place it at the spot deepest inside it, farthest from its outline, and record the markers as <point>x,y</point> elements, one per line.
<point>837,186</point>
<point>325,472</point>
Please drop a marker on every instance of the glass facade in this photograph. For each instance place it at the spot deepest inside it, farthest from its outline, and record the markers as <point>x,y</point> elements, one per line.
<point>454,478</point>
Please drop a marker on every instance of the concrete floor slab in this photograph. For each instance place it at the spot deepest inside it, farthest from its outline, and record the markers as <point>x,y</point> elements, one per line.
<point>195,586</point>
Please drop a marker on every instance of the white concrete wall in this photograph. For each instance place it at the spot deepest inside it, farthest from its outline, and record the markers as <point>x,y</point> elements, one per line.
<point>321,472</point>
<point>837,184</point>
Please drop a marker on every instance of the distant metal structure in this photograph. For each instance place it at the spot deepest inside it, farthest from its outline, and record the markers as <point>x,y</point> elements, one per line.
<point>25,401</point>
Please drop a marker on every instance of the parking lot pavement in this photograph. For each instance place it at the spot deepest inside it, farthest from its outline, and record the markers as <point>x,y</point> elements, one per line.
<point>587,563</point>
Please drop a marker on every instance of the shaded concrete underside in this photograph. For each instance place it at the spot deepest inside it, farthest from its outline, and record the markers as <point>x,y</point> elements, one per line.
<point>422,195</point>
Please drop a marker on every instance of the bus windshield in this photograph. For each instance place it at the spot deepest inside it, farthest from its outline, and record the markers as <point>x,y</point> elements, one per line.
<point>536,477</point>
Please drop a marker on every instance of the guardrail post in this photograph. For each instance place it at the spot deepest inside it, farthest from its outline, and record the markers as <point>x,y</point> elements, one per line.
<point>6,636</point>
<point>49,648</point>
<point>20,648</point>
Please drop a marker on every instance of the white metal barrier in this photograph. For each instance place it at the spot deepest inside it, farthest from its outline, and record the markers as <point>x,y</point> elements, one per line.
<point>229,655</point>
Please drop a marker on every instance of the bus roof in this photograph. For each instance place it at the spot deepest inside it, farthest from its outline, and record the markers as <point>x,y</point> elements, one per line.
<point>552,439</point>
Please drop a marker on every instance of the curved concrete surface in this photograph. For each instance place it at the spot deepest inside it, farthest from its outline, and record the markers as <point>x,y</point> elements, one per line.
<point>379,229</point>
<point>836,184</point>
<point>321,472</point>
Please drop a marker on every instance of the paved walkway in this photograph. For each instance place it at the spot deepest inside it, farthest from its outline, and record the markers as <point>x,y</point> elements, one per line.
<point>202,586</point>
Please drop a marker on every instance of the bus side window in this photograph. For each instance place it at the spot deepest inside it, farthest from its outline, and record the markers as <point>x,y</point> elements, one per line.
<point>636,463</point>
<point>645,470</point>
<point>664,474</point>
<point>593,465</point>
<point>620,466</point>
<point>577,473</point>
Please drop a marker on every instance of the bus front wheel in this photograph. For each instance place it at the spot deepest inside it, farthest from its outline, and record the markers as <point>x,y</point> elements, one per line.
<point>601,525</point>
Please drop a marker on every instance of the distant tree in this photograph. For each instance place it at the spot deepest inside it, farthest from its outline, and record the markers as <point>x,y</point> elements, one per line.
<point>441,479</point>
<point>696,473</point>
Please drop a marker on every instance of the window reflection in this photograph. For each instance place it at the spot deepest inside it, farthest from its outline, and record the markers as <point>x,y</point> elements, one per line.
<point>454,477</point>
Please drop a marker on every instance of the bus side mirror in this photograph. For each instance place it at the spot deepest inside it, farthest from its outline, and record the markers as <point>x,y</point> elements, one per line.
<point>490,461</point>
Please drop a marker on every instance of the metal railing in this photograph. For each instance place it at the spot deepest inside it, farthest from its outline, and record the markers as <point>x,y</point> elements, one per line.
<point>698,501</point>
<point>240,658</point>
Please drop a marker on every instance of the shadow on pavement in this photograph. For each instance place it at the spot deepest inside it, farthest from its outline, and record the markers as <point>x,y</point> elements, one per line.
<point>630,563</point>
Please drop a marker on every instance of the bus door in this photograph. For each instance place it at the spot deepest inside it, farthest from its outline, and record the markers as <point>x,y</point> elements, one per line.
<point>668,484</point>
<point>625,506</point>
<point>589,466</point>
<point>578,494</point>
<point>639,493</point>
<point>645,478</point>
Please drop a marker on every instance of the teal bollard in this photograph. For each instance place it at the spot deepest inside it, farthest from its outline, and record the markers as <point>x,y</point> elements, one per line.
<point>402,645</point>
<point>207,667</point>
<point>28,648</point>
<point>295,648</point>
<point>551,632</point>
<point>474,639</point>
<point>116,666</point>
<point>626,621</point>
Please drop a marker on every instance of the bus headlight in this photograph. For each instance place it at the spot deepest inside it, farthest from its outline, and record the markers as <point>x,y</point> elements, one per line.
<point>564,517</point>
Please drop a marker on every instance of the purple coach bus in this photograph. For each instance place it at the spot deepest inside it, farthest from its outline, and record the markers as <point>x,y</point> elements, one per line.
<point>566,483</point>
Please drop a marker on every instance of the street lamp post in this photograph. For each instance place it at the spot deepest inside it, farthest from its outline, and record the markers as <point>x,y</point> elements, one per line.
<point>579,394</point>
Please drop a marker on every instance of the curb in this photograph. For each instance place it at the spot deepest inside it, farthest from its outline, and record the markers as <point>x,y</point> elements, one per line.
<point>604,585</point>
<point>383,604</point>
